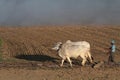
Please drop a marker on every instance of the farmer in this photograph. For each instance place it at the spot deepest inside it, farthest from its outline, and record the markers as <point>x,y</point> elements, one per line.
<point>112,51</point>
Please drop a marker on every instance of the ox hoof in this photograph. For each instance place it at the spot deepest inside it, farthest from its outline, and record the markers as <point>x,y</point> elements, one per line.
<point>61,65</point>
<point>70,66</point>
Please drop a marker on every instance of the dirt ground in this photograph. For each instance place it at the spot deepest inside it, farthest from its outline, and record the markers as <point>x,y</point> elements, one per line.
<point>36,60</point>
<point>60,74</point>
<point>50,71</point>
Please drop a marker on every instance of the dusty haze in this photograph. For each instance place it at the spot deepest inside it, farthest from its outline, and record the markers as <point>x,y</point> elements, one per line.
<point>35,12</point>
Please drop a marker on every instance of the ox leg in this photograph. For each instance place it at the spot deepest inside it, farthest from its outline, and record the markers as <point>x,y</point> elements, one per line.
<point>69,61</point>
<point>84,61</point>
<point>91,58</point>
<point>62,62</point>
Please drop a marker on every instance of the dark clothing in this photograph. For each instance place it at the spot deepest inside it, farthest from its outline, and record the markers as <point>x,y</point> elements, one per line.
<point>111,57</point>
<point>111,53</point>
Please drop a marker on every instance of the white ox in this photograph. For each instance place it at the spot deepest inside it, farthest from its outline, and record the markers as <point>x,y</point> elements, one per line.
<point>73,49</point>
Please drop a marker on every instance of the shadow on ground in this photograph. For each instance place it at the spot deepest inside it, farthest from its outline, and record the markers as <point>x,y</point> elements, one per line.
<point>48,60</point>
<point>41,58</point>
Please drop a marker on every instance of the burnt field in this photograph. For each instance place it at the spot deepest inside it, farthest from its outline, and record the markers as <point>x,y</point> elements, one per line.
<point>26,52</point>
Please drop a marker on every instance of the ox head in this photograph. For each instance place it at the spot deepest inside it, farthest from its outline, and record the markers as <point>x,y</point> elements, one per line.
<point>57,46</point>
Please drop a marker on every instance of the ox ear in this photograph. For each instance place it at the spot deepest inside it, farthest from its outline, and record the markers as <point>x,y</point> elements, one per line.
<point>57,46</point>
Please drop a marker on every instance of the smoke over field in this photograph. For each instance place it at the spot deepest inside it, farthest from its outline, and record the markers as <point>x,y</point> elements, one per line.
<point>35,12</point>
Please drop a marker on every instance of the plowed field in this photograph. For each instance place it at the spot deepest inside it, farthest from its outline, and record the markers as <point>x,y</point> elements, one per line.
<point>27,53</point>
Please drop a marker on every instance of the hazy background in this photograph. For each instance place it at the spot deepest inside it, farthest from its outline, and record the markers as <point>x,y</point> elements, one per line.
<point>40,12</point>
